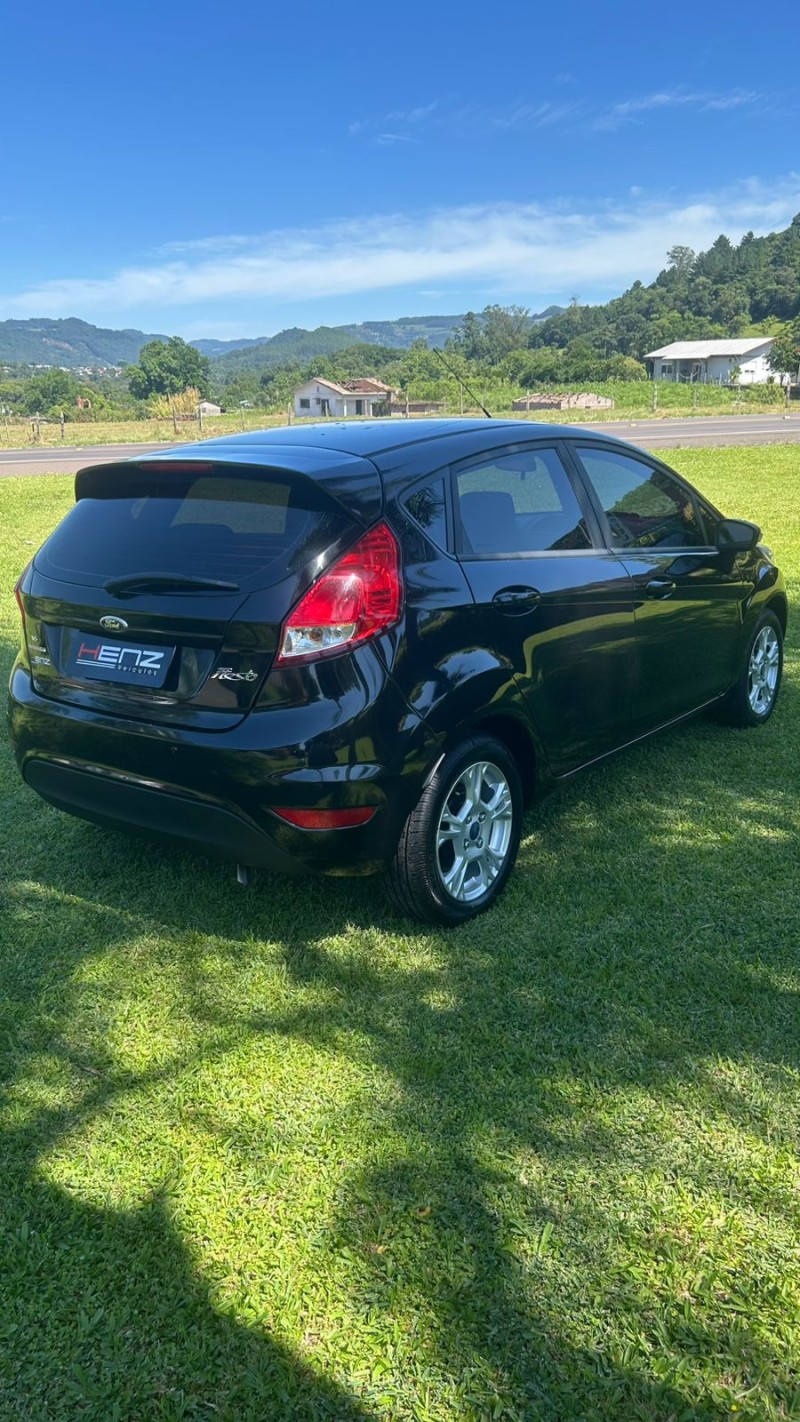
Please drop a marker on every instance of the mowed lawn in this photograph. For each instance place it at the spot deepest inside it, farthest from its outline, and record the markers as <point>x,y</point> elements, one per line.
<point>273,1154</point>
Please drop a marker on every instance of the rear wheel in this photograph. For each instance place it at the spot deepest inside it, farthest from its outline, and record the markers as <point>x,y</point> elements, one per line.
<point>752,700</point>
<point>459,843</point>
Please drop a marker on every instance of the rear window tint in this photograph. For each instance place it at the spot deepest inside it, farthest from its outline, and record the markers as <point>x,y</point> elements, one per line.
<point>247,528</point>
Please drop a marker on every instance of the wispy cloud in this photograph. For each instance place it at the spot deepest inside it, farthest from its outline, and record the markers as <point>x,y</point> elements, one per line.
<point>532,116</point>
<point>225,243</point>
<point>631,110</point>
<point>471,118</point>
<point>525,250</point>
<point>412,117</point>
<point>453,116</point>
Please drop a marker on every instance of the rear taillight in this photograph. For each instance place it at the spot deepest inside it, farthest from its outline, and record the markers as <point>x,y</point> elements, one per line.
<point>361,595</point>
<point>18,591</point>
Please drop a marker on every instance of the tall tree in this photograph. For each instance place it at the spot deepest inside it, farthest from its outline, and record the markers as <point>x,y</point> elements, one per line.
<point>491,335</point>
<point>168,368</point>
<point>681,259</point>
<point>49,390</point>
<point>784,357</point>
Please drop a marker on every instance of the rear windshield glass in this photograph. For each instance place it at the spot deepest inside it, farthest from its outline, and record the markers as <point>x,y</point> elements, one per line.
<point>242,526</point>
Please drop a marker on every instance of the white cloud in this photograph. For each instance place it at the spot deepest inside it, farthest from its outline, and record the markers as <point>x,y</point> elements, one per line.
<point>514,250</point>
<point>412,116</point>
<point>704,101</point>
<point>528,116</point>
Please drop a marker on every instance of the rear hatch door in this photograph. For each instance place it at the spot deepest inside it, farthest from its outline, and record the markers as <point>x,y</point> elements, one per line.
<point>162,593</point>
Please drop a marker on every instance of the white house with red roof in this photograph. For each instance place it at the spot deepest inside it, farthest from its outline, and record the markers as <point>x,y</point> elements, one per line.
<point>318,399</point>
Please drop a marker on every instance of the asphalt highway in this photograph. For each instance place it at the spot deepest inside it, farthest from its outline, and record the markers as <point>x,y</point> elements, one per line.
<point>648,434</point>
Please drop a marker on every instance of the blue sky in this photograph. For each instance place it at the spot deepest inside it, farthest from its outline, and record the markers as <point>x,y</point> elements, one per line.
<point>204,169</point>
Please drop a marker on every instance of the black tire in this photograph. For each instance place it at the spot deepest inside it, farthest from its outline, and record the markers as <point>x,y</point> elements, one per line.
<point>415,881</point>
<point>751,700</point>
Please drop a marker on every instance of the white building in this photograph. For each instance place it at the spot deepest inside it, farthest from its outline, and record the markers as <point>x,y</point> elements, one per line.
<point>711,362</point>
<point>317,399</point>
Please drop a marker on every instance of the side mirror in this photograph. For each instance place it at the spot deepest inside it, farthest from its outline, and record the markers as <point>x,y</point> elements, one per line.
<point>737,535</point>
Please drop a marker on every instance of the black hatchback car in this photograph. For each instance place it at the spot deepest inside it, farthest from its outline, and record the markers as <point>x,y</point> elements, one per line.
<point>357,647</point>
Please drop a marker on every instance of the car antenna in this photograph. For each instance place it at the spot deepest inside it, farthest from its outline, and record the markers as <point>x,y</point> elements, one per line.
<point>471,393</point>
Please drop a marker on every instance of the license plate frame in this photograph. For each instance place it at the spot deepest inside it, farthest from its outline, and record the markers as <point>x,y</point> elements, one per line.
<point>124,663</point>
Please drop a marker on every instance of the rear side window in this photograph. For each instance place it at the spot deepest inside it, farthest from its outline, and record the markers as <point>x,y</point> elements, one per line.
<point>519,502</point>
<point>247,527</point>
<point>428,507</point>
<point>644,507</point>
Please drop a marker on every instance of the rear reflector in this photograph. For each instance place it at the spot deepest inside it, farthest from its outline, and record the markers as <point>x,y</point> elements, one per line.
<point>326,819</point>
<point>360,596</point>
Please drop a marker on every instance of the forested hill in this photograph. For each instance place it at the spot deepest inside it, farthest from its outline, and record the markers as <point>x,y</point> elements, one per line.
<point>298,344</point>
<point>71,343</point>
<point>727,291</point>
<point>296,347</point>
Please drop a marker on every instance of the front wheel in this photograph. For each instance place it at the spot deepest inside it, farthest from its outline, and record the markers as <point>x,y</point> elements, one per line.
<point>751,701</point>
<point>459,843</point>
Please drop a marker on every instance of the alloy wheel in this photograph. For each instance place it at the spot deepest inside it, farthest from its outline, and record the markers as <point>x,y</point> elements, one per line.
<point>763,670</point>
<point>474,833</point>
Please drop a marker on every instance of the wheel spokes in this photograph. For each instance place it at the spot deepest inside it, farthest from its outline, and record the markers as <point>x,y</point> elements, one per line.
<point>474,838</point>
<point>763,671</point>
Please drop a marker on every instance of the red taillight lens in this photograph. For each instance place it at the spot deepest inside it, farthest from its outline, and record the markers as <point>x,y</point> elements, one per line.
<point>362,594</point>
<point>327,819</point>
<point>18,591</point>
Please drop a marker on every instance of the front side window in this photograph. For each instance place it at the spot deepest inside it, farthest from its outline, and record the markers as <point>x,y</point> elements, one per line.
<point>644,507</point>
<point>518,502</point>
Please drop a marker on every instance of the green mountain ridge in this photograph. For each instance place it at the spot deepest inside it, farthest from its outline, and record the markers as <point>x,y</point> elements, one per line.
<point>69,342</point>
<point>74,344</point>
<point>297,345</point>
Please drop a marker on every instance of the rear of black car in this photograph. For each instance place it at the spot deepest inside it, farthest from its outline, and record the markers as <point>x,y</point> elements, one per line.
<point>181,667</point>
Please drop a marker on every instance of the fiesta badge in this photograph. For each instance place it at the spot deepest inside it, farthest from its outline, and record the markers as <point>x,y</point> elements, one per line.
<point>114,624</point>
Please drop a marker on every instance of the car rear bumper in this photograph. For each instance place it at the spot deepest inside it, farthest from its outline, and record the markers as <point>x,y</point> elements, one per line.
<point>218,793</point>
<point>125,804</point>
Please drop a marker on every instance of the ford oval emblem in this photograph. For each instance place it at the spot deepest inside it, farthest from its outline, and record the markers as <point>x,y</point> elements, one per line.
<point>114,624</point>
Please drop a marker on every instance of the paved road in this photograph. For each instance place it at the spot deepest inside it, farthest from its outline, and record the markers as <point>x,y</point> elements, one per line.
<point>65,460</point>
<point>709,429</point>
<point>649,434</point>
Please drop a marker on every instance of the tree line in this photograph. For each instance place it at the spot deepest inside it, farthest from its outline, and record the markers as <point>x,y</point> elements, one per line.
<point>752,288</point>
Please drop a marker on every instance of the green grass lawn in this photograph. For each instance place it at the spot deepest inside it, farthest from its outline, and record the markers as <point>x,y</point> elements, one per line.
<point>275,1155</point>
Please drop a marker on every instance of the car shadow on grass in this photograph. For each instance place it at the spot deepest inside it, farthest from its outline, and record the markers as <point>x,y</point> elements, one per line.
<point>544,1060</point>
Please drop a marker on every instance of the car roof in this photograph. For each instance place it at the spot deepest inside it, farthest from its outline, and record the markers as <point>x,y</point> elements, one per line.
<point>370,438</point>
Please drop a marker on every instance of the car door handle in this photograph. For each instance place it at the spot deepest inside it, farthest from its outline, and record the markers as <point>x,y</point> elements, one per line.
<point>516,600</point>
<point>659,587</point>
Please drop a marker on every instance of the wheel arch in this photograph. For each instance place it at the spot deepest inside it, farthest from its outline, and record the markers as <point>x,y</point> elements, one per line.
<point>778,604</point>
<point>516,737</point>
